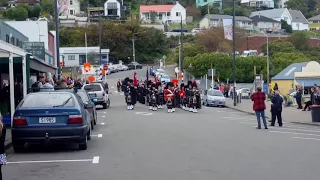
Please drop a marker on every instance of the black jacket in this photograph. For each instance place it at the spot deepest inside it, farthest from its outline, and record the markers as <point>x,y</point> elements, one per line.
<point>276,103</point>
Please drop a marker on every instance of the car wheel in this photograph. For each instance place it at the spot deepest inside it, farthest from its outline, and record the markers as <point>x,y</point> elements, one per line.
<point>95,118</point>
<point>207,103</point>
<point>108,103</point>
<point>104,105</point>
<point>84,144</point>
<point>89,135</point>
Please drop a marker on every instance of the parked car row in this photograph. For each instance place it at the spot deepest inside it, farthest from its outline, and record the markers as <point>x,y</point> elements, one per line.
<point>114,68</point>
<point>160,74</point>
<point>63,115</point>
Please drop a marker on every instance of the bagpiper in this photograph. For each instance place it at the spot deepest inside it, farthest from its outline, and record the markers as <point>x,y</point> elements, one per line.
<point>189,96</point>
<point>169,96</point>
<point>182,94</point>
<point>128,93</point>
<point>160,97</point>
<point>195,94</point>
<point>153,98</point>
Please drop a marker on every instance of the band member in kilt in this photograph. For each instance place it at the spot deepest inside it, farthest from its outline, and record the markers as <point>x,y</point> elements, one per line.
<point>182,95</point>
<point>189,96</point>
<point>196,100</point>
<point>126,88</point>
<point>148,92</point>
<point>160,97</point>
<point>140,90</point>
<point>169,96</point>
<point>153,98</point>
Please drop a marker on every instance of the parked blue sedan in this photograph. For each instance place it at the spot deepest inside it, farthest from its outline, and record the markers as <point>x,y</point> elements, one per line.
<point>50,117</point>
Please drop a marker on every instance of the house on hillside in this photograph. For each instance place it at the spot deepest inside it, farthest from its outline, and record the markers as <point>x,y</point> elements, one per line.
<point>282,3</point>
<point>314,23</point>
<point>216,20</point>
<point>258,3</point>
<point>200,3</point>
<point>69,9</point>
<point>268,25</point>
<point>163,13</point>
<point>114,9</point>
<point>13,3</point>
<point>299,21</point>
<point>293,18</point>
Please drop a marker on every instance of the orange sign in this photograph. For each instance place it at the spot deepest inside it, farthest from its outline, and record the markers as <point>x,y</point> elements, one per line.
<point>87,67</point>
<point>91,78</point>
<point>180,76</point>
<point>103,72</point>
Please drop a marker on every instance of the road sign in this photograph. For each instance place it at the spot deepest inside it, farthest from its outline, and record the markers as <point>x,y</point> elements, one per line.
<point>105,67</point>
<point>103,72</point>
<point>86,67</point>
<point>164,57</point>
<point>61,63</point>
<point>35,48</point>
<point>91,78</point>
<point>180,76</point>
<point>211,72</point>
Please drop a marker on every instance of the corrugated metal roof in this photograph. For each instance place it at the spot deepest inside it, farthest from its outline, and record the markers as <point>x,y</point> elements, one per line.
<point>219,16</point>
<point>288,72</point>
<point>297,16</point>
<point>156,8</point>
<point>271,13</point>
<point>314,18</point>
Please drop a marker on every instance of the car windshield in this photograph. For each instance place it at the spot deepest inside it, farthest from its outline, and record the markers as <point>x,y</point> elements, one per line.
<point>165,76</point>
<point>160,70</point>
<point>51,100</point>
<point>83,95</point>
<point>92,87</point>
<point>214,93</point>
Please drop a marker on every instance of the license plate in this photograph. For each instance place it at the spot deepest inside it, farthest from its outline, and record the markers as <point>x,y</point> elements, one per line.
<point>47,120</point>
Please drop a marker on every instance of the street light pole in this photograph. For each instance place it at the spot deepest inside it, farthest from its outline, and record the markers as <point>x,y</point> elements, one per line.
<point>181,47</point>
<point>234,53</point>
<point>133,49</point>
<point>56,14</point>
<point>268,62</point>
<point>100,38</point>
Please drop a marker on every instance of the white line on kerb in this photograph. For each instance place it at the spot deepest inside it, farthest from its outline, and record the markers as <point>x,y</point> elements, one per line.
<point>51,161</point>
<point>283,132</point>
<point>102,123</point>
<point>98,135</point>
<point>306,138</point>
<point>95,160</point>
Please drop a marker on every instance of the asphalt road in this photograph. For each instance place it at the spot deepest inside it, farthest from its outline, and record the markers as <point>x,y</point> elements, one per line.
<point>216,143</point>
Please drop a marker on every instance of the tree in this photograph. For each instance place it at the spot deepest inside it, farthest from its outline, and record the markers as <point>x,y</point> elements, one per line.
<point>35,11</point>
<point>278,46</point>
<point>300,40</point>
<point>48,6</point>
<point>212,40</point>
<point>300,5</point>
<point>19,14</point>
<point>91,56</point>
<point>286,26</point>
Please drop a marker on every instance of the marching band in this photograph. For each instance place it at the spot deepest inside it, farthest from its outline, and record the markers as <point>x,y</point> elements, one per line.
<point>157,94</point>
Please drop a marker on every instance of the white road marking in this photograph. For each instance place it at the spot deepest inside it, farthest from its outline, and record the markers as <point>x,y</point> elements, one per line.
<point>121,94</point>
<point>95,160</point>
<point>144,113</point>
<point>51,161</point>
<point>247,123</point>
<point>116,91</point>
<point>306,138</point>
<point>285,132</point>
<point>102,123</point>
<point>112,87</point>
<point>97,135</point>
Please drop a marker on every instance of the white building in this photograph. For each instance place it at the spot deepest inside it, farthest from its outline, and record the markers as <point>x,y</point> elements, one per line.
<point>215,20</point>
<point>163,13</point>
<point>258,3</point>
<point>265,24</point>
<point>69,7</point>
<point>114,8</point>
<point>282,3</point>
<point>294,18</point>
<point>76,56</point>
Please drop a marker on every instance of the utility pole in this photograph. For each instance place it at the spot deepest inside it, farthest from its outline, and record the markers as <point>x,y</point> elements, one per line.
<point>181,46</point>
<point>133,49</point>
<point>100,38</point>
<point>234,53</point>
<point>56,14</point>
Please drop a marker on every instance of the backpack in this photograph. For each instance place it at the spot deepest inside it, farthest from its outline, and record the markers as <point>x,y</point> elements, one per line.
<point>35,87</point>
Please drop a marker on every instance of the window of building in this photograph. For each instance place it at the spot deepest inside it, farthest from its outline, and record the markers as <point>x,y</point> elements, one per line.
<point>17,42</point>
<point>7,38</point>
<point>112,12</point>
<point>168,13</point>
<point>71,12</point>
<point>112,5</point>
<point>71,2</point>
<point>12,40</point>
<point>82,59</point>
<point>71,57</point>
<point>315,21</point>
<point>205,1</point>
<point>178,13</point>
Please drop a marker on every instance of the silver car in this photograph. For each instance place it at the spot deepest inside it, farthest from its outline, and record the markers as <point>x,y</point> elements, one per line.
<point>214,97</point>
<point>98,94</point>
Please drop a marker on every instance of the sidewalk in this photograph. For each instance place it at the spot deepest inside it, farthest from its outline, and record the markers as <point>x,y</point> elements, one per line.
<point>289,114</point>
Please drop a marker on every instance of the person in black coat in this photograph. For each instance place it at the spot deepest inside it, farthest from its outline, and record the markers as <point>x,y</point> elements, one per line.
<point>276,108</point>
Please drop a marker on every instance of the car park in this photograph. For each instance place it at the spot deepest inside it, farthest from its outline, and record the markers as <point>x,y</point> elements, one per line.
<point>97,94</point>
<point>214,97</point>
<point>134,65</point>
<point>50,117</point>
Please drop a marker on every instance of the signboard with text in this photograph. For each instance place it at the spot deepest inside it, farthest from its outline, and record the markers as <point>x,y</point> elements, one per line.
<point>35,48</point>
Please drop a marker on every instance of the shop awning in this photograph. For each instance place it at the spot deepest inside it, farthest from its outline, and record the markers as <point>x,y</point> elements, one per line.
<point>42,66</point>
<point>308,82</point>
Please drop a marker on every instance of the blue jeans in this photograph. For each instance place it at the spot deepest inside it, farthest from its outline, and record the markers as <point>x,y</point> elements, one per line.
<point>258,114</point>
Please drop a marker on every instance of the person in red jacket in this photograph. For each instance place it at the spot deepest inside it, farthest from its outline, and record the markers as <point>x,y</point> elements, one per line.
<point>259,106</point>
<point>169,97</point>
<point>182,94</point>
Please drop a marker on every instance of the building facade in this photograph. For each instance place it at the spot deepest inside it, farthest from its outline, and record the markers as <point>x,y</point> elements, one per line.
<point>163,13</point>
<point>265,24</point>
<point>76,56</point>
<point>11,35</point>
<point>69,7</point>
<point>200,3</point>
<point>259,3</point>
<point>114,9</point>
<point>14,3</point>
<point>314,23</point>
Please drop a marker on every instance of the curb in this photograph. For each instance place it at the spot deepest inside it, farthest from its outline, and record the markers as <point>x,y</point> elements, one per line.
<point>7,144</point>
<point>309,124</point>
<point>252,113</point>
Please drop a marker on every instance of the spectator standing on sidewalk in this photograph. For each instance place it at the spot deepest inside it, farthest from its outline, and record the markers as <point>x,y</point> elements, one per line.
<point>259,106</point>
<point>317,96</point>
<point>276,108</point>
<point>298,96</point>
<point>3,158</point>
